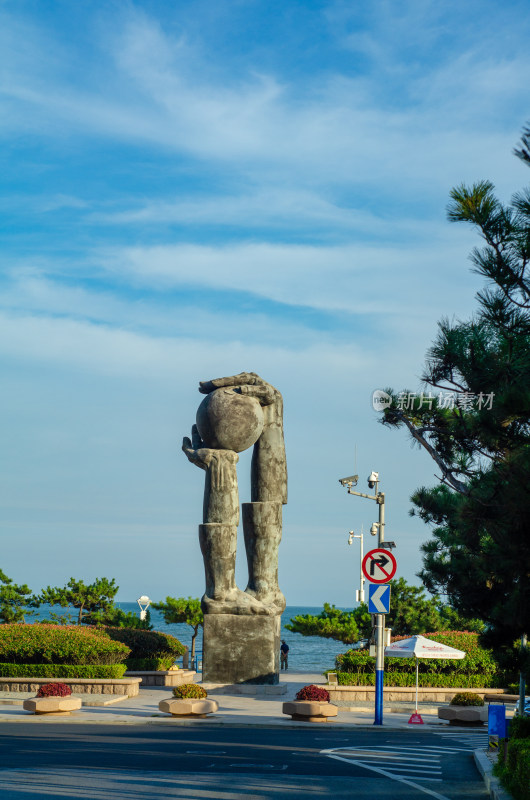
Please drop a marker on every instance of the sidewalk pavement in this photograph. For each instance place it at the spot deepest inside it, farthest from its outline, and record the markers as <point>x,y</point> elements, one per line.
<point>233,709</point>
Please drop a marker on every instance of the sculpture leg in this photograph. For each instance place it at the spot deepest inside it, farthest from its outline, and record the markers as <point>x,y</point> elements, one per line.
<point>262,527</point>
<point>218,547</point>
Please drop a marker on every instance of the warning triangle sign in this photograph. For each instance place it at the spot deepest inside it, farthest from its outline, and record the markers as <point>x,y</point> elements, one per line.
<point>416,719</point>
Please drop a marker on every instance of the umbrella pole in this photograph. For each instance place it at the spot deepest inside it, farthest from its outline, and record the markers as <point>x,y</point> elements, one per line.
<point>417,678</point>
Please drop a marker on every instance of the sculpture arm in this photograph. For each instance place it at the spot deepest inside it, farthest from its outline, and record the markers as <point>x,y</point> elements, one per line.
<point>221,496</point>
<point>269,464</point>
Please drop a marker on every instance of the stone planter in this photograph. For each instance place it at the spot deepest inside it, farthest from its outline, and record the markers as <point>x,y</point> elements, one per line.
<point>168,677</point>
<point>187,707</point>
<point>464,715</point>
<point>310,710</point>
<point>52,705</point>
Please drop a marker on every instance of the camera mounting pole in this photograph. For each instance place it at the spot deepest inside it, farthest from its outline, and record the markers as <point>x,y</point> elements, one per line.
<point>378,528</point>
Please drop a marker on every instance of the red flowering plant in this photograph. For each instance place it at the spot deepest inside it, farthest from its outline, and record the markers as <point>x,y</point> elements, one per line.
<point>313,692</point>
<point>54,690</point>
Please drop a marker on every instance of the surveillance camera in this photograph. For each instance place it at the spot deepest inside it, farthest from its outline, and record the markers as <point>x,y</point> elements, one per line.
<point>373,529</point>
<point>351,481</point>
<point>350,538</point>
<point>373,477</point>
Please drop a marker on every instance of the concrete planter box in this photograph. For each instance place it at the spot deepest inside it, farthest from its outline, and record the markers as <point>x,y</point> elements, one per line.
<point>464,715</point>
<point>310,710</point>
<point>187,707</point>
<point>405,694</point>
<point>52,705</point>
<point>123,686</point>
<point>170,677</point>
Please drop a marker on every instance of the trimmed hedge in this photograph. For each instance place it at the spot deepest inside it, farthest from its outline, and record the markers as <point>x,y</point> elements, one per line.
<point>513,768</point>
<point>159,648</point>
<point>150,664</point>
<point>62,670</point>
<point>457,681</point>
<point>58,644</point>
<point>478,668</point>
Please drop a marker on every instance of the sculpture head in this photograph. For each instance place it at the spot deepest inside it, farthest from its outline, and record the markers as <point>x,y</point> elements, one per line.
<point>227,420</point>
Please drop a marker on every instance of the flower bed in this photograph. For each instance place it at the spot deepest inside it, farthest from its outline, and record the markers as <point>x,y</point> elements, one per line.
<point>313,692</point>
<point>54,690</point>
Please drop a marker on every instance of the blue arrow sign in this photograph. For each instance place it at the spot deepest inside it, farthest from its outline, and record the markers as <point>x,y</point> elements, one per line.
<point>378,598</point>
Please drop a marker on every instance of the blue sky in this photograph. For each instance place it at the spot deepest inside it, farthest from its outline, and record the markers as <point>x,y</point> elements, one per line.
<point>194,189</point>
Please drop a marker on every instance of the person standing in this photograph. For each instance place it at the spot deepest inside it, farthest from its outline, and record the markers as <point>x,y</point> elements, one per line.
<point>284,653</point>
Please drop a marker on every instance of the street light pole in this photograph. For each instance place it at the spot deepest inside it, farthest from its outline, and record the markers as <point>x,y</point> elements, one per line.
<point>359,594</point>
<point>381,527</point>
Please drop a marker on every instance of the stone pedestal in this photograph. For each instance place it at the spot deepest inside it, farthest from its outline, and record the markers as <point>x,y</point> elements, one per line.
<point>52,705</point>
<point>187,707</point>
<point>464,715</point>
<point>310,710</point>
<point>241,649</point>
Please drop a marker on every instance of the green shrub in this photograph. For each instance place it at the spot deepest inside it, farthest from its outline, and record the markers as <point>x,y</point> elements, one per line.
<point>54,690</point>
<point>425,680</point>
<point>478,663</point>
<point>519,728</point>
<point>58,644</point>
<point>466,699</point>
<point>62,670</point>
<point>514,768</point>
<point>148,644</point>
<point>192,690</point>
<point>149,664</point>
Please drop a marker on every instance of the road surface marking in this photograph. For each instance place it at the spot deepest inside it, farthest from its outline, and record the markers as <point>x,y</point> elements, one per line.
<point>390,775</point>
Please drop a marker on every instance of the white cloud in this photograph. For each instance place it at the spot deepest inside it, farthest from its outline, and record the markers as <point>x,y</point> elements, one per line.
<point>95,418</point>
<point>336,129</point>
<point>362,279</point>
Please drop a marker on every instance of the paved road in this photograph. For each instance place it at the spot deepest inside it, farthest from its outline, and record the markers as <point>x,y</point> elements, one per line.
<point>57,760</point>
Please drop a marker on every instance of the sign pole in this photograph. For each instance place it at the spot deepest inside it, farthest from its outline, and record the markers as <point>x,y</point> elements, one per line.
<point>379,567</point>
<point>380,655</point>
<point>379,669</point>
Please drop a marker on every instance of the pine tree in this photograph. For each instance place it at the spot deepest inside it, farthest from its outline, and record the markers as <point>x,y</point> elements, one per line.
<point>15,599</point>
<point>473,417</point>
<point>85,598</point>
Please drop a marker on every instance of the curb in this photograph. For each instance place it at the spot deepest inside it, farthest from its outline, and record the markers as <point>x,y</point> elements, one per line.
<point>493,784</point>
<point>156,718</point>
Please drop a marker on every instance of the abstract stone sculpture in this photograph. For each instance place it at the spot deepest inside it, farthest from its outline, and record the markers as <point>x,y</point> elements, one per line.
<point>238,412</point>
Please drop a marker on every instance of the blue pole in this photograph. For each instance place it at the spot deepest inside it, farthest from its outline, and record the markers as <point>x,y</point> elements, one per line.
<point>379,669</point>
<point>379,678</point>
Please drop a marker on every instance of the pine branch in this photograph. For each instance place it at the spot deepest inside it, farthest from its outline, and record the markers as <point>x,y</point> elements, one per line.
<point>447,473</point>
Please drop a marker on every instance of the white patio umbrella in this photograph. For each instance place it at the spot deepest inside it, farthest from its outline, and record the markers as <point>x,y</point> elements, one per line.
<point>420,647</point>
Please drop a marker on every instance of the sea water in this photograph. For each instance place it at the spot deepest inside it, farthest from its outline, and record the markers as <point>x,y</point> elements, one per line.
<point>306,653</point>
